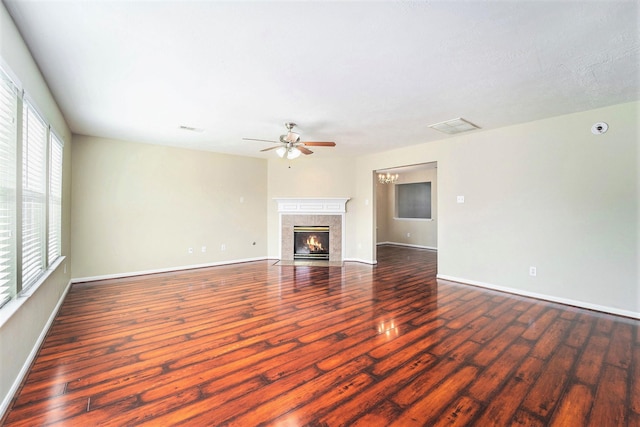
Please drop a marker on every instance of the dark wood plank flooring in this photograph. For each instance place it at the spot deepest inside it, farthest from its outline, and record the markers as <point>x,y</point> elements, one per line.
<point>262,344</point>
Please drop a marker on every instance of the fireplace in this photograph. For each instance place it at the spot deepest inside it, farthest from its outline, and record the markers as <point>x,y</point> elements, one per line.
<point>311,242</point>
<point>328,213</point>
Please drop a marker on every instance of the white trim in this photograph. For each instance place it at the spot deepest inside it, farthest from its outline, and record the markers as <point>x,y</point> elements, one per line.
<point>408,245</point>
<point>364,261</point>
<point>14,304</point>
<point>13,78</point>
<point>163,270</point>
<point>395,218</point>
<point>332,205</point>
<point>32,355</point>
<point>565,301</point>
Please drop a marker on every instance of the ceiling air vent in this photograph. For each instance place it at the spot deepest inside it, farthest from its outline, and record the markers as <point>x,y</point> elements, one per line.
<point>191,129</point>
<point>453,126</point>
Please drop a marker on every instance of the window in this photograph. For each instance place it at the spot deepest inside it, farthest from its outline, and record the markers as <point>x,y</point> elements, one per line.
<point>8,135</point>
<point>34,187</point>
<point>413,201</point>
<point>55,199</point>
<point>30,193</point>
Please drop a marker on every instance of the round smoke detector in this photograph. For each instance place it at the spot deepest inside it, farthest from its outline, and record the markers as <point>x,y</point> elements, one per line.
<point>599,128</point>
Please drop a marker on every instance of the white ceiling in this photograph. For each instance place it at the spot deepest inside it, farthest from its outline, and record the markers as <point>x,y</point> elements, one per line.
<point>370,76</point>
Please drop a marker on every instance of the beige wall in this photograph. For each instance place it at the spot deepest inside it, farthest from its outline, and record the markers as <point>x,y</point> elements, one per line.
<point>413,232</point>
<point>20,333</point>
<point>547,194</point>
<point>139,207</point>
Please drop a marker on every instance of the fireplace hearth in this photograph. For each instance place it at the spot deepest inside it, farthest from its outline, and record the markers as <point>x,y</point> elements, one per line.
<point>311,242</point>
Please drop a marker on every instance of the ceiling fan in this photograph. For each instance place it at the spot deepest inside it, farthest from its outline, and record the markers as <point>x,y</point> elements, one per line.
<point>290,144</point>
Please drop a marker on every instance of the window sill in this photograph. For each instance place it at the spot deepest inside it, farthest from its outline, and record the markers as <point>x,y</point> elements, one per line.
<point>413,219</point>
<point>10,308</point>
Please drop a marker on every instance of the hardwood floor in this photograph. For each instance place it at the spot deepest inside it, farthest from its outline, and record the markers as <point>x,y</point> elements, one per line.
<point>262,344</point>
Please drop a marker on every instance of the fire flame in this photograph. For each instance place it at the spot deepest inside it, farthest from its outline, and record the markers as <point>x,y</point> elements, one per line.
<point>314,244</point>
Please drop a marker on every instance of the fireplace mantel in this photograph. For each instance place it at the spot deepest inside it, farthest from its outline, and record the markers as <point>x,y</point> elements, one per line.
<point>335,205</point>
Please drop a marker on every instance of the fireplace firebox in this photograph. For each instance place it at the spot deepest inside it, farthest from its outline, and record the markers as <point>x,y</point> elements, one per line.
<point>311,242</point>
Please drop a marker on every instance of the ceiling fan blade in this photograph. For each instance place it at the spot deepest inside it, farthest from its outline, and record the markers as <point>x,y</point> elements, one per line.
<point>263,140</point>
<point>304,150</point>
<point>320,144</point>
<point>270,148</point>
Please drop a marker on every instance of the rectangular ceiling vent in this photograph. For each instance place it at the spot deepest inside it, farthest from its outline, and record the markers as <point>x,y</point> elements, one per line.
<point>191,129</point>
<point>454,126</point>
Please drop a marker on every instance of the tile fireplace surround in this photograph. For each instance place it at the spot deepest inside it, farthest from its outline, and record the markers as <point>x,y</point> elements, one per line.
<point>312,212</point>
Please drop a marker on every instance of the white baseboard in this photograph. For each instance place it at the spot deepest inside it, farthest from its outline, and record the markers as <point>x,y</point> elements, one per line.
<point>407,245</point>
<point>565,301</point>
<point>363,261</point>
<point>4,406</point>
<point>162,270</point>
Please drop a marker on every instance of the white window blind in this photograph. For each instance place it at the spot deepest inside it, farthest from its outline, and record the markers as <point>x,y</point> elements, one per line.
<point>34,172</point>
<point>55,198</point>
<point>8,124</point>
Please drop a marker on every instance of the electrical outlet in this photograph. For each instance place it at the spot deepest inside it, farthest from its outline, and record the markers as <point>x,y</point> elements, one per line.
<point>190,250</point>
<point>533,271</point>
<point>204,249</point>
<point>223,247</point>
<point>460,199</point>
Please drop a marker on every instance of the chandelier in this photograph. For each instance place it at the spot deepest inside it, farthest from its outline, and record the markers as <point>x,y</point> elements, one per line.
<point>387,178</point>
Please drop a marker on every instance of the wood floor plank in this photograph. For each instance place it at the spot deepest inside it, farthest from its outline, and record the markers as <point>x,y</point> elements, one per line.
<point>229,408</point>
<point>609,407</point>
<point>363,403</point>
<point>634,398</point>
<point>305,394</point>
<point>537,327</point>
<point>490,380</point>
<point>428,380</point>
<point>546,392</point>
<point>259,343</point>
<point>619,353</point>
<point>492,349</point>
<point>552,338</point>
<point>454,338</point>
<point>428,407</point>
<point>580,331</point>
<point>589,366</point>
<point>459,413</point>
<point>526,419</point>
<point>505,403</point>
<point>574,408</point>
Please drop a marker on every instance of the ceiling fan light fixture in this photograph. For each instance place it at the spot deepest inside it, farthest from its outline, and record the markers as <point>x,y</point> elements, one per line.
<point>281,151</point>
<point>293,153</point>
<point>289,152</point>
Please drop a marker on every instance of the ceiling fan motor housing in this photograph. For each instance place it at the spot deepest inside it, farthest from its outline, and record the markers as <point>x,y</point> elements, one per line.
<point>290,137</point>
